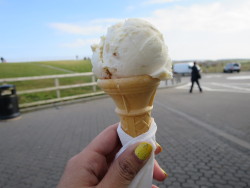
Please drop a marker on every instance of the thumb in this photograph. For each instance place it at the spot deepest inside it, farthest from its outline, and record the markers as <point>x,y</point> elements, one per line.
<point>127,165</point>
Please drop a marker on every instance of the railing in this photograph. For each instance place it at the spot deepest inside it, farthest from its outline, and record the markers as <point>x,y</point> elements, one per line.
<point>56,88</point>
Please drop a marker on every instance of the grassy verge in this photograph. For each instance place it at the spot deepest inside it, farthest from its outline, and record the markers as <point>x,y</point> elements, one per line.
<point>217,66</point>
<point>12,70</point>
<point>34,97</point>
<point>75,66</point>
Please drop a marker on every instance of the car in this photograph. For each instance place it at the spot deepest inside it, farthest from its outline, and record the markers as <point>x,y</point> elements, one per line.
<point>232,67</point>
<point>184,69</point>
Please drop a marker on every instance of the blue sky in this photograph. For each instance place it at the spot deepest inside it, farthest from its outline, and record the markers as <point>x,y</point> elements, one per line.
<point>61,29</point>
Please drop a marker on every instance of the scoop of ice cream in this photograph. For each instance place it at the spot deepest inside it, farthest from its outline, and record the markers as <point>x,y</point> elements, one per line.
<point>131,48</point>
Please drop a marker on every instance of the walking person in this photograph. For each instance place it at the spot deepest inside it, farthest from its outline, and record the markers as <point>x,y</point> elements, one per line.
<point>195,76</point>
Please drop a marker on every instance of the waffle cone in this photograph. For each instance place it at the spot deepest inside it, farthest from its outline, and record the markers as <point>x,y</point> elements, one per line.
<point>134,97</point>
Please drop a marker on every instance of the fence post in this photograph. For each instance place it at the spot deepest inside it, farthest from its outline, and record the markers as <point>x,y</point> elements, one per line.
<point>57,84</point>
<point>93,80</point>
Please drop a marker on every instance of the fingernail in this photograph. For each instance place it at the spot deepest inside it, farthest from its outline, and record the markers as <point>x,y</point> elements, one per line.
<point>143,150</point>
<point>159,146</point>
<point>164,173</point>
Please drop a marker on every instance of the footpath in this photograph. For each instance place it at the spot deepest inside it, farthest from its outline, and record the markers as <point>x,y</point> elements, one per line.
<point>36,146</point>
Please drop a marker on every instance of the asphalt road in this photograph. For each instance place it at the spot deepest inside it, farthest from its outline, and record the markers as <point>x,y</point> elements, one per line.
<point>224,104</point>
<point>205,136</point>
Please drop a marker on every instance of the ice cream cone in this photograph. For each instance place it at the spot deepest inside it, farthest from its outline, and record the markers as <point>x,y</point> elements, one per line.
<point>134,98</point>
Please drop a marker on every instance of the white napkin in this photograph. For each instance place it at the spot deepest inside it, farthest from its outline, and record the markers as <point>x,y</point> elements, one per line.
<point>145,176</point>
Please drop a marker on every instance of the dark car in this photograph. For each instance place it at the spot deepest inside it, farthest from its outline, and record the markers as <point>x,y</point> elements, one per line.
<point>232,67</point>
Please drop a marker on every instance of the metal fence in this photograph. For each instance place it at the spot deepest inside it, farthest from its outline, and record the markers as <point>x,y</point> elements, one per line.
<point>57,87</point>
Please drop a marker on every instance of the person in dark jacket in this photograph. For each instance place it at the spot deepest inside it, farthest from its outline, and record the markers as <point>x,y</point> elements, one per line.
<point>195,76</point>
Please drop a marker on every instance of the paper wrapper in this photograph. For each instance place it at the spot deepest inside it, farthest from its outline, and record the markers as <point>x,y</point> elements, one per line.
<point>145,176</point>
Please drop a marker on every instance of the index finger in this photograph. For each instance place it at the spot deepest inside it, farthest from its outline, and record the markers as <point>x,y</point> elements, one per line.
<point>106,142</point>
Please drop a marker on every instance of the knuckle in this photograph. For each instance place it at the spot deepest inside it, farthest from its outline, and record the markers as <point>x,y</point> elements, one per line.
<point>127,170</point>
<point>72,162</point>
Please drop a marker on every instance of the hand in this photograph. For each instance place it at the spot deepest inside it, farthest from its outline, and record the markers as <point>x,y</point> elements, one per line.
<point>95,165</point>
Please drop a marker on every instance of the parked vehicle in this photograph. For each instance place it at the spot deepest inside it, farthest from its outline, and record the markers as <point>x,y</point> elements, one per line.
<point>184,68</point>
<point>232,67</point>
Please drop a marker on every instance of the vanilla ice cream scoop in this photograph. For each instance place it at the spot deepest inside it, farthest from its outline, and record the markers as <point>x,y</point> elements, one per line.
<point>131,48</point>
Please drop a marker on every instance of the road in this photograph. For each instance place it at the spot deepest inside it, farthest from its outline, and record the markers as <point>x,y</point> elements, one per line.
<point>231,83</point>
<point>223,104</point>
<point>205,136</point>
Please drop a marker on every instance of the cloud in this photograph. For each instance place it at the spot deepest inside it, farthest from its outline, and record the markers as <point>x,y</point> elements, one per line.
<point>77,29</point>
<point>130,8</point>
<point>205,30</point>
<point>78,43</point>
<point>213,17</point>
<point>152,2</point>
<point>105,22</point>
<point>97,26</point>
<point>214,30</point>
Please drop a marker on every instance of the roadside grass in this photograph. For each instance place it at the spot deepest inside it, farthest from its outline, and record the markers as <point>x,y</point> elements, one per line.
<point>245,66</point>
<point>12,70</point>
<point>33,84</point>
<point>34,97</point>
<point>78,91</point>
<point>217,66</point>
<point>214,68</point>
<point>74,65</point>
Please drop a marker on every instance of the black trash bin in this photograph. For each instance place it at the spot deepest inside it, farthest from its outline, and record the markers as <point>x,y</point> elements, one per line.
<point>8,102</point>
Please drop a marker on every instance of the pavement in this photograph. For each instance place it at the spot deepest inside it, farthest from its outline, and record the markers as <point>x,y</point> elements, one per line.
<point>205,137</point>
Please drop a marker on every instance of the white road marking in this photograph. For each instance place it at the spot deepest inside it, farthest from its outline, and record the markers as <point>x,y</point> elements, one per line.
<point>232,89</point>
<point>230,86</point>
<point>213,76</point>
<point>242,84</point>
<point>183,86</point>
<point>238,78</point>
<point>207,126</point>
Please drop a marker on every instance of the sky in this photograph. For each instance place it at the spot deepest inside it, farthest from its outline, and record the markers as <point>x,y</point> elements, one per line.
<point>34,30</point>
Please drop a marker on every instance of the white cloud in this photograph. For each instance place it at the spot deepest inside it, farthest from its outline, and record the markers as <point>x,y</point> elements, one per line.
<point>77,29</point>
<point>130,8</point>
<point>213,17</point>
<point>198,31</point>
<point>89,32</point>
<point>151,2</point>
<point>78,43</point>
<point>97,26</point>
<point>212,30</point>
<point>105,22</point>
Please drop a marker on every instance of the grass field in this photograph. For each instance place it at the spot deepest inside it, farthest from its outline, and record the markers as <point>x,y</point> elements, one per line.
<point>217,66</point>
<point>12,70</point>
<point>74,66</point>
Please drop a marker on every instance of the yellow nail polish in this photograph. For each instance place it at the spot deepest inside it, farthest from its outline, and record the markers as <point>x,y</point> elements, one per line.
<point>164,173</point>
<point>143,150</point>
<point>159,146</point>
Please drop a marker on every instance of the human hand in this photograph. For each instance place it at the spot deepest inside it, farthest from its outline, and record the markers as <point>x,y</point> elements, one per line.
<point>95,165</point>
